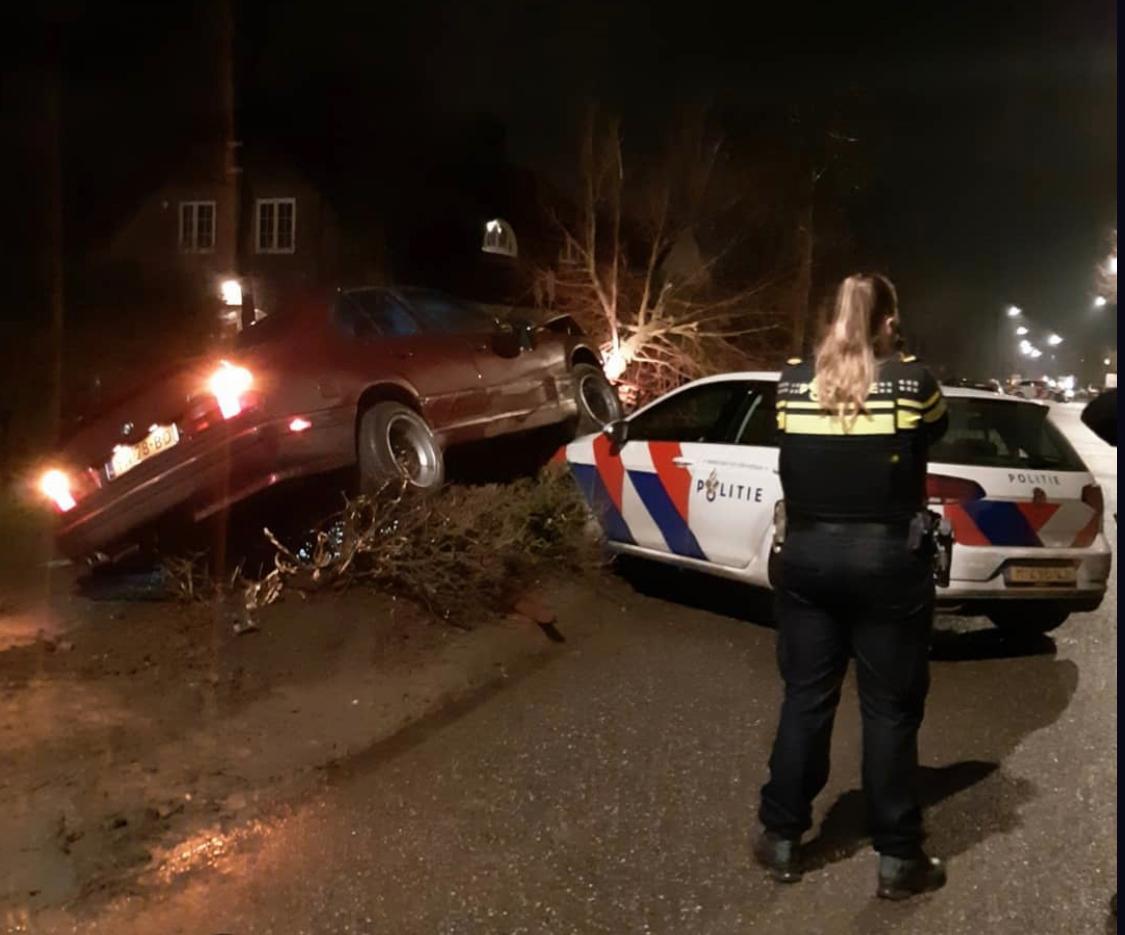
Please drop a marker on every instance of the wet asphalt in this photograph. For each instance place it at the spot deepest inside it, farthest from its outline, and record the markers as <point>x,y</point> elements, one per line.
<point>611,787</point>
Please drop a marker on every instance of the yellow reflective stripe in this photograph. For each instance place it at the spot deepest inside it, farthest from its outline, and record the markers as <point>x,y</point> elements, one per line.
<point>916,404</point>
<point>908,419</point>
<point>781,404</point>
<point>936,413</point>
<point>781,420</point>
<point>801,423</point>
<point>801,404</point>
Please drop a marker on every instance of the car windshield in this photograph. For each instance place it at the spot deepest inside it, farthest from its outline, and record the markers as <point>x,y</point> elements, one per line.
<point>1004,434</point>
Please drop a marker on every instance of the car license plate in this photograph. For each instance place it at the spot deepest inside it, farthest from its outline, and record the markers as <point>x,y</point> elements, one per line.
<point>127,457</point>
<point>1041,574</point>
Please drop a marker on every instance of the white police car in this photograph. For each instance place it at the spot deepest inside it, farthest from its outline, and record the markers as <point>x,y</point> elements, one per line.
<point>691,480</point>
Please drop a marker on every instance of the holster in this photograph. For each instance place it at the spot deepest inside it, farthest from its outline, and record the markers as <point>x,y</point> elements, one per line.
<point>779,525</point>
<point>932,534</point>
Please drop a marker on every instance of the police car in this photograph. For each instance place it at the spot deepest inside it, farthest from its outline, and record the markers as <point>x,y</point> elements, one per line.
<point>692,480</point>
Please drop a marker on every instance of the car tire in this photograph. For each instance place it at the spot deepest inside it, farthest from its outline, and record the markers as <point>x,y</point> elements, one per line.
<point>393,443</point>
<point>1018,618</point>
<point>598,404</point>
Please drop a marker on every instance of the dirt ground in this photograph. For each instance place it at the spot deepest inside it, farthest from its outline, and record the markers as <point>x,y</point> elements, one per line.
<point>133,731</point>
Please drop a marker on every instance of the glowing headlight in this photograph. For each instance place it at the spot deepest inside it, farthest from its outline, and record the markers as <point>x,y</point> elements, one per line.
<point>55,485</point>
<point>228,385</point>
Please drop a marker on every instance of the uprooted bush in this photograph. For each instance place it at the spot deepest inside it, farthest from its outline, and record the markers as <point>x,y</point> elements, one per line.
<point>460,552</point>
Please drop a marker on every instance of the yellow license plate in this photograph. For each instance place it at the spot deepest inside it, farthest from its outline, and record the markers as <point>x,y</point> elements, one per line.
<point>1042,574</point>
<point>126,457</point>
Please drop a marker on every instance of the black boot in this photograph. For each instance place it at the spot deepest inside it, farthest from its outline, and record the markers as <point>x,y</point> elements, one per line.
<point>780,856</point>
<point>902,877</point>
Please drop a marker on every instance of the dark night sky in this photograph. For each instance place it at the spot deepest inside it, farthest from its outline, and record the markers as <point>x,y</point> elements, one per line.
<point>988,133</point>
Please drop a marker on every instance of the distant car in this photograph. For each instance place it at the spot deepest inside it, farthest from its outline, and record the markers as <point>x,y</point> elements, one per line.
<point>691,480</point>
<point>988,386</point>
<point>1031,389</point>
<point>383,379</point>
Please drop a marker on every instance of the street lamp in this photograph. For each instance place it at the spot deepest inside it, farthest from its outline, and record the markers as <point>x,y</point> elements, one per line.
<point>1014,311</point>
<point>1054,340</point>
<point>1021,331</point>
<point>1099,302</point>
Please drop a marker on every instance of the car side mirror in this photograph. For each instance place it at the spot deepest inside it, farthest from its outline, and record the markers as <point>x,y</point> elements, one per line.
<point>618,434</point>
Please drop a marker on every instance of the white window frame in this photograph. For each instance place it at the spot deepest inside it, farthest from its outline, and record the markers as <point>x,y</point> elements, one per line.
<point>192,245</point>
<point>272,247</point>
<point>500,238</point>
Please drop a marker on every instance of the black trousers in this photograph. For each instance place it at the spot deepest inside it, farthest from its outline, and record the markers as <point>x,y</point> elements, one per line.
<point>851,590</point>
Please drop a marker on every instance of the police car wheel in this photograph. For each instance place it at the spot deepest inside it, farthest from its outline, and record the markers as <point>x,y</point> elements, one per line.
<point>394,443</point>
<point>1019,618</point>
<point>597,400</point>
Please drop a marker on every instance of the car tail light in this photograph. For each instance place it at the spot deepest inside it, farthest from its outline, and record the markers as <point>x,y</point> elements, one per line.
<point>1092,497</point>
<point>230,386</point>
<point>941,488</point>
<point>56,487</point>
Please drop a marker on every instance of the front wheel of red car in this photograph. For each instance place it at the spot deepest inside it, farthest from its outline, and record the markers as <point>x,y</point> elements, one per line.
<point>395,443</point>
<point>597,400</point>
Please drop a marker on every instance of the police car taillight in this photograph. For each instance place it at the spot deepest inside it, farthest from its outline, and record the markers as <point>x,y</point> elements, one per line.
<point>1092,497</point>
<point>941,488</point>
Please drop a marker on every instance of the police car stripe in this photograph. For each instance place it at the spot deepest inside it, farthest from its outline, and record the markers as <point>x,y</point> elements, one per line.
<point>675,478</point>
<point>590,482</point>
<point>673,527</point>
<point>822,423</point>
<point>610,469</point>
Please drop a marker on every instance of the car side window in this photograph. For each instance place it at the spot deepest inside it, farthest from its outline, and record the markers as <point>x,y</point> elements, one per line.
<point>449,316</point>
<point>756,421</point>
<point>380,312</point>
<point>699,414</point>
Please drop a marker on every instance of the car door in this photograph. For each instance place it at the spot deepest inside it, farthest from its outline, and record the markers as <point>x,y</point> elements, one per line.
<point>649,493</point>
<point>513,379</point>
<point>389,341</point>
<point>733,509</point>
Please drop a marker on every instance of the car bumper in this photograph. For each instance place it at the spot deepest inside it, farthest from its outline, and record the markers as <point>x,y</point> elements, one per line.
<point>206,474</point>
<point>978,574</point>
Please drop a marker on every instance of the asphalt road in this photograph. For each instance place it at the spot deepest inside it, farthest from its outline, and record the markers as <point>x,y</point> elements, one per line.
<point>613,789</point>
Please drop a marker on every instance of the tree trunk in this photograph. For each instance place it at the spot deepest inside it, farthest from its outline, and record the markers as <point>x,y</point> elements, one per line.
<point>803,290</point>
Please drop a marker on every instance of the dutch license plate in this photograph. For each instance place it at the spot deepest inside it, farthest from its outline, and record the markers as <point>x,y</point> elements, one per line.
<point>127,457</point>
<point>1042,574</point>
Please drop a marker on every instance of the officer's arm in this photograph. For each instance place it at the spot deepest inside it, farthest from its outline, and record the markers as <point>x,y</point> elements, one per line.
<point>935,416</point>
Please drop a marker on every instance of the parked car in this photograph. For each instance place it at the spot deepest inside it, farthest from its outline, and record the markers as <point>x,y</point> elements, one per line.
<point>988,386</point>
<point>384,379</point>
<point>1030,389</point>
<point>692,480</point>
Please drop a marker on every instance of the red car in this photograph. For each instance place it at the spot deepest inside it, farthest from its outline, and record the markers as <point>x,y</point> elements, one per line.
<point>384,379</point>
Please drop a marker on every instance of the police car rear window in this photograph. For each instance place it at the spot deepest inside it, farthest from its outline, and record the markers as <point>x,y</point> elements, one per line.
<point>1005,434</point>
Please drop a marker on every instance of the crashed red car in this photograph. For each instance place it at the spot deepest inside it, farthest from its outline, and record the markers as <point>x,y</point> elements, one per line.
<point>382,379</point>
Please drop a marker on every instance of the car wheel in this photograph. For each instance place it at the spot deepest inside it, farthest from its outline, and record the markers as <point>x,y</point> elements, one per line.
<point>1019,618</point>
<point>393,443</point>
<point>597,400</point>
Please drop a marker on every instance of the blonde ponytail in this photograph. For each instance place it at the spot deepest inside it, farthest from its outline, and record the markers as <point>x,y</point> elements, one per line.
<point>845,360</point>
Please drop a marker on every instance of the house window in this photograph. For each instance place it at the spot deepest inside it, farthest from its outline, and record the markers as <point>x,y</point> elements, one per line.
<point>197,226</point>
<point>276,225</point>
<point>499,238</point>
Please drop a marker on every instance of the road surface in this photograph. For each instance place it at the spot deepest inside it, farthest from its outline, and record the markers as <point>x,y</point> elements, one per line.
<point>613,789</point>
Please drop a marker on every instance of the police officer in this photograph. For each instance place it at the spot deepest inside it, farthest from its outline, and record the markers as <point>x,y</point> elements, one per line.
<point>856,580</point>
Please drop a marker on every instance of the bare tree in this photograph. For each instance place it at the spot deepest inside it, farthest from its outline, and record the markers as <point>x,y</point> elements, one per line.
<point>633,273</point>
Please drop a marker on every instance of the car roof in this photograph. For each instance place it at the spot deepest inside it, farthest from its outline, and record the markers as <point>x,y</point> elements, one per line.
<point>960,392</point>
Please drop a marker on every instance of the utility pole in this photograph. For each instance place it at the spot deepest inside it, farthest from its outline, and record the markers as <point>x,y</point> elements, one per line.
<point>54,226</point>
